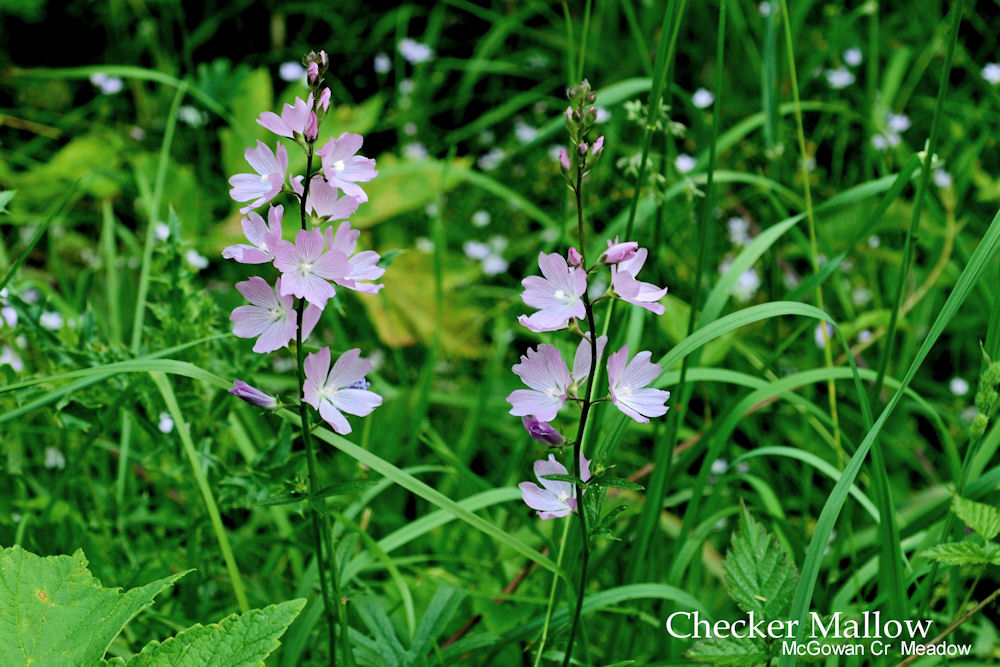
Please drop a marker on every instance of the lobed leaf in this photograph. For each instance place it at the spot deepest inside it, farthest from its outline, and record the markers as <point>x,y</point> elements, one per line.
<point>761,576</point>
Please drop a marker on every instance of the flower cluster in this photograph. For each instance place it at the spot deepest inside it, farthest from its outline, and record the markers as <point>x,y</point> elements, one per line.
<point>561,299</point>
<point>316,261</point>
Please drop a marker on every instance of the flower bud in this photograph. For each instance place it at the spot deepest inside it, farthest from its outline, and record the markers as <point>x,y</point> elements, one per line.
<point>590,97</point>
<point>583,148</point>
<point>575,258</point>
<point>979,425</point>
<point>619,252</point>
<point>312,127</point>
<point>324,100</point>
<point>252,395</point>
<point>598,147</point>
<point>543,432</point>
<point>591,115</point>
<point>572,92</point>
<point>313,71</point>
<point>985,398</point>
<point>564,158</point>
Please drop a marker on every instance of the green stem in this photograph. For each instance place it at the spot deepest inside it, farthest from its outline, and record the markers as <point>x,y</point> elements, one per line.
<point>552,597</point>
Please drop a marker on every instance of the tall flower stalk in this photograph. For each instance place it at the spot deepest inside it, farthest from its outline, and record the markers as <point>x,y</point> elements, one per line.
<point>312,266</point>
<point>563,300</point>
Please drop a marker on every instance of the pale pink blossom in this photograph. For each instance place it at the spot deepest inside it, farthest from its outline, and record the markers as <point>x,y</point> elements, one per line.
<point>293,120</point>
<point>575,259</point>
<point>581,361</point>
<point>629,385</point>
<point>557,293</point>
<point>265,185</point>
<point>271,317</point>
<point>619,252</point>
<point>340,389</point>
<point>323,201</point>
<point>625,285</point>
<point>307,267</point>
<point>554,498</point>
<point>545,372</point>
<point>343,168</point>
<point>263,238</point>
<point>364,265</point>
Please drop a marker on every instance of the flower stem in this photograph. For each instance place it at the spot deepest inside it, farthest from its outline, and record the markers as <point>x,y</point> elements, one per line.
<point>578,445</point>
<point>552,597</point>
<point>321,535</point>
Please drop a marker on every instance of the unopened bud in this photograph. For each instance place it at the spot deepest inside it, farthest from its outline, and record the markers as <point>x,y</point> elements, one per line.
<point>312,127</point>
<point>598,147</point>
<point>572,92</point>
<point>564,158</point>
<point>619,252</point>
<point>590,98</point>
<point>252,395</point>
<point>575,259</point>
<point>324,100</point>
<point>591,115</point>
<point>543,432</point>
<point>583,148</point>
<point>313,71</point>
<point>978,427</point>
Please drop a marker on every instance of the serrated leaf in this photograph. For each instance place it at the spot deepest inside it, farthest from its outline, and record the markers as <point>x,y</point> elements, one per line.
<point>239,639</point>
<point>54,612</point>
<point>729,651</point>
<point>761,576</point>
<point>958,553</point>
<point>983,519</point>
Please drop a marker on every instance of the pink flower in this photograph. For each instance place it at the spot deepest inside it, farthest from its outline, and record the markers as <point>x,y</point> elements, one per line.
<point>554,498</point>
<point>263,238</point>
<point>557,294</point>
<point>323,200</point>
<point>619,252</point>
<point>364,265</point>
<point>265,185</point>
<point>581,361</point>
<point>344,169</point>
<point>324,100</point>
<point>564,159</point>
<point>575,258</point>
<point>545,372</point>
<point>271,316</point>
<point>598,147</point>
<point>252,395</point>
<point>629,391</point>
<point>634,291</point>
<point>542,431</point>
<point>293,119</point>
<point>342,389</point>
<point>306,267</point>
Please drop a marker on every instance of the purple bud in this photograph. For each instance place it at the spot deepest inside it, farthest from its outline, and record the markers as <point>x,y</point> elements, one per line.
<point>324,100</point>
<point>564,158</point>
<point>569,114</point>
<point>313,71</point>
<point>591,114</point>
<point>543,432</point>
<point>312,127</point>
<point>598,147</point>
<point>575,259</point>
<point>323,59</point>
<point>583,148</point>
<point>253,396</point>
<point>619,252</point>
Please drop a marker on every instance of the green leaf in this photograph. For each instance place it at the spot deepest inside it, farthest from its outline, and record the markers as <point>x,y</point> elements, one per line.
<point>239,639</point>
<point>442,607</point>
<point>5,197</point>
<point>572,479</point>
<point>54,612</point>
<point>619,483</point>
<point>984,520</point>
<point>761,577</point>
<point>376,619</point>
<point>958,553</point>
<point>728,651</point>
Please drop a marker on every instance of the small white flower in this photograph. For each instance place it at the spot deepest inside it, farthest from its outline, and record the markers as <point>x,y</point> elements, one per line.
<point>719,466</point>
<point>958,386</point>
<point>415,151</point>
<point>51,320</point>
<point>746,286</point>
<point>991,72</point>
<point>550,234</point>
<point>702,98</point>
<point>742,467</point>
<point>818,334</point>
<point>137,133</point>
<point>196,260</point>
<point>861,296</point>
<point>162,231</point>
<point>166,424</point>
<point>942,178</point>
<point>108,85</point>
<point>491,159</point>
<point>414,52</point>
<point>292,71</point>
<point>476,250</point>
<point>764,8</point>
<point>31,295</point>
<point>839,78</point>
<point>432,210</point>
<point>54,458</point>
<point>406,86</point>
<point>524,132</point>
<point>11,358</point>
<point>424,245</point>
<point>192,116</point>
<point>486,137</point>
<point>410,129</point>
<point>684,163</point>
<point>480,218</point>
<point>383,63</point>
<point>864,336</point>
<point>494,264</point>
<point>603,115</point>
<point>9,315</point>
<point>898,122</point>
<point>853,56</point>
<point>873,241</point>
